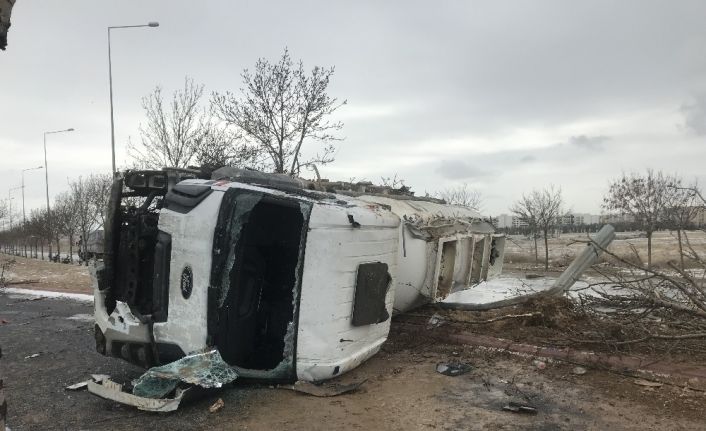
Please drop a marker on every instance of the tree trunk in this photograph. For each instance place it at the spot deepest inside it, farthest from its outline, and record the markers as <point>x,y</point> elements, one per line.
<point>649,250</point>
<point>536,252</point>
<point>71,248</point>
<point>42,245</point>
<point>681,250</point>
<point>546,251</point>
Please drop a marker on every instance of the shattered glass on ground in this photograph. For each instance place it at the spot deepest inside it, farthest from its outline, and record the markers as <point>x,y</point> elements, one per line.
<point>205,369</point>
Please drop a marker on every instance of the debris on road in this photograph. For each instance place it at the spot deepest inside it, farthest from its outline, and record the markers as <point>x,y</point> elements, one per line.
<point>33,355</point>
<point>206,369</point>
<point>647,383</point>
<point>435,321</point>
<point>579,371</point>
<point>78,386</point>
<point>216,406</point>
<point>453,369</point>
<point>520,408</point>
<point>84,384</point>
<point>99,377</point>
<point>110,390</point>
<point>323,390</point>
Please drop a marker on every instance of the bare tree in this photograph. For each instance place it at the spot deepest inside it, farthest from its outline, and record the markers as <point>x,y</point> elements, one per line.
<point>461,195</point>
<point>86,213</point>
<point>684,205</point>
<point>4,210</point>
<point>173,133</point>
<point>38,225</point>
<point>540,210</point>
<point>526,210</point>
<point>645,198</point>
<point>99,193</point>
<point>280,108</point>
<point>223,147</point>
<point>64,221</point>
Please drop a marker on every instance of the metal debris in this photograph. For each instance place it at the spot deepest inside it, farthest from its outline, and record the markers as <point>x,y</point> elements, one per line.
<point>78,386</point>
<point>453,369</point>
<point>520,408</point>
<point>323,390</point>
<point>33,355</point>
<point>207,370</point>
<point>84,384</point>
<point>110,390</point>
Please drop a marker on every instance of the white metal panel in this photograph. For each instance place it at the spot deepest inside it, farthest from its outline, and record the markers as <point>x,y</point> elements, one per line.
<point>327,343</point>
<point>192,245</point>
<point>422,209</point>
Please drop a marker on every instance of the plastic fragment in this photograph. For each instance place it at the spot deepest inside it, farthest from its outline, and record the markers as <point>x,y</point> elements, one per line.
<point>453,369</point>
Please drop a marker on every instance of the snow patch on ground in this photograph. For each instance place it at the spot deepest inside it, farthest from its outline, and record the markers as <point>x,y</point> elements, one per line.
<point>81,297</point>
<point>82,317</point>
<point>500,288</point>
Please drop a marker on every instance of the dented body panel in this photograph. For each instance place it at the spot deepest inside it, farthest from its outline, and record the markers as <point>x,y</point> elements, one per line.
<point>442,249</point>
<point>285,283</point>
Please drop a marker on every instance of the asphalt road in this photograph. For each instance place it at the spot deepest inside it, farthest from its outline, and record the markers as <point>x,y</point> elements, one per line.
<point>34,386</point>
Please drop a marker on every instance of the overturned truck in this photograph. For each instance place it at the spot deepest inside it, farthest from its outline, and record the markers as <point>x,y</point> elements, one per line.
<point>287,279</point>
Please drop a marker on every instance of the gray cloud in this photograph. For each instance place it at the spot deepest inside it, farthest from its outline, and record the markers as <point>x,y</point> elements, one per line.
<point>458,170</point>
<point>479,71</point>
<point>695,115</point>
<point>594,143</point>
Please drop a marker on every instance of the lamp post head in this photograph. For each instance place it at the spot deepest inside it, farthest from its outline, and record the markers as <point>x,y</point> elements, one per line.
<point>70,130</point>
<point>153,24</point>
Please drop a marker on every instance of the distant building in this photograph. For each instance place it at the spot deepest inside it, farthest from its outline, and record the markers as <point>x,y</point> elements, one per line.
<point>506,221</point>
<point>581,219</point>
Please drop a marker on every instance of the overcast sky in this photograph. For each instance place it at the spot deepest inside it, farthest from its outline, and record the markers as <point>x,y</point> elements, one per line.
<point>503,95</point>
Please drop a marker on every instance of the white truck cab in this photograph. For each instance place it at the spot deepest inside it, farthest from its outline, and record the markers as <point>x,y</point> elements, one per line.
<point>287,283</point>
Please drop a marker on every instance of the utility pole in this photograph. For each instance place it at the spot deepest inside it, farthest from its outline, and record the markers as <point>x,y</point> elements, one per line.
<point>110,84</point>
<point>46,178</point>
<point>24,215</point>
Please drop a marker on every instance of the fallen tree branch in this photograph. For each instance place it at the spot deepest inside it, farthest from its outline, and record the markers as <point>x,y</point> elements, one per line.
<point>10,283</point>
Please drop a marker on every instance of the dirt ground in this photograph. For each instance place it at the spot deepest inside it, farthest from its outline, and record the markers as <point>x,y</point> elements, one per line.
<point>402,390</point>
<point>45,275</point>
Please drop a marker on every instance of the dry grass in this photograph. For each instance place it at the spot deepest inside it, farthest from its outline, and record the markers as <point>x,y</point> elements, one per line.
<point>57,277</point>
<point>563,250</point>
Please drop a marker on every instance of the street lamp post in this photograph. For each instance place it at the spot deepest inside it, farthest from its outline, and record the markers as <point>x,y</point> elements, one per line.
<point>24,215</point>
<point>9,203</point>
<point>46,178</point>
<point>110,82</point>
